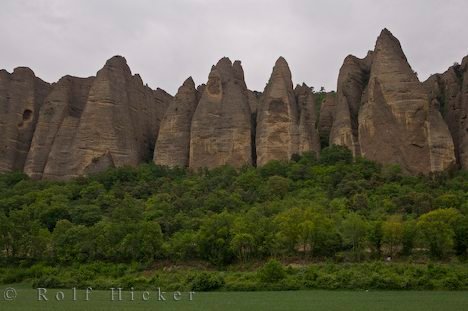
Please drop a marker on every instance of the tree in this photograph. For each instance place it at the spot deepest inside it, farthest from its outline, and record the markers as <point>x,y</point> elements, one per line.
<point>243,245</point>
<point>409,236</point>
<point>392,231</point>
<point>215,237</point>
<point>354,230</point>
<point>271,272</point>
<point>335,154</point>
<point>278,186</point>
<point>289,231</point>
<point>437,230</point>
<point>375,236</point>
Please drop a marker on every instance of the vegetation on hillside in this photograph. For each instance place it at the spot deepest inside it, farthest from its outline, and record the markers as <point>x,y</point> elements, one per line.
<point>331,209</point>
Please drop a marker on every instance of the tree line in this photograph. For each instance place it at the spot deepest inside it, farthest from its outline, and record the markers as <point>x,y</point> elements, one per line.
<point>330,208</point>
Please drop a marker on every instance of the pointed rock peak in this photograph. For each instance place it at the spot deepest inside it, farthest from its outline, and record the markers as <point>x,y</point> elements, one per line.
<point>301,90</point>
<point>118,62</point>
<point>281,61</point>
<point>138,78</point>
<point>225,61</point>
<point>386,32</point>
<point>189,82</point>
<point>237,65</point>
<point>386,40</point>
<point>281,67</point>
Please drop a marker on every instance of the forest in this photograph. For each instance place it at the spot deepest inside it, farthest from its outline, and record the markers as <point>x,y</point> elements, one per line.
<point>332,210</point>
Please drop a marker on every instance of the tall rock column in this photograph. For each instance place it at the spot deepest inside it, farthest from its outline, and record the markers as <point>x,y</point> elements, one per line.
<point>352,83</point>
<point>57,126</point>
<point>326,117</point>
<point>173,144</point>
<point>449,94</point>
<point>221,125</point>
<point>21,96</point>
<point>396,124</point>
<point>309,139</point>
<point>89,125</point>
<point>277,135</point>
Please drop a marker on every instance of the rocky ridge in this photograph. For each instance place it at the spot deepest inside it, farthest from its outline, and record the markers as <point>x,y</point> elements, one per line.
<point>80,126</point>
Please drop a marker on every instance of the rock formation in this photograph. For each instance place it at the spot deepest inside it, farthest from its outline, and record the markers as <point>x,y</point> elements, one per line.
<point>221,125</point>
<point>309,140</point>
<point>384,114</point>
<point>21,96</point>
<point>449,94</point>
<point>352,83</point>
<point>88,125</point>
<point>277,135</point>
<point>172,147</point>
<point>381,111</point>
<point>58,122</point>
<point>327,113</point>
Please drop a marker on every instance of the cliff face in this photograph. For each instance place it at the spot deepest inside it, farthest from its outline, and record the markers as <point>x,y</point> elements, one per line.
<point>449,94</point>
<point>88,125</point>
<point>384,113</point>
<point>277,135</point>
<point>381,111</point>
<point>352,84</point>
<point>309,139</point>
<point>326,117</point>
<point>59,117</point>
<point>21,97</point>
<point>221,126</point>
<point>173,145</point>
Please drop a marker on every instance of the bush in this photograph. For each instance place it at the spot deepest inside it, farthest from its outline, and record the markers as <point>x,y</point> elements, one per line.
<point>205,282</point>
<point>272,272</point>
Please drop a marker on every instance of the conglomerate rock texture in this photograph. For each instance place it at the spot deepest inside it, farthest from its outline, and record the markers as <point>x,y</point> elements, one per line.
<point>173,145</point>
<point>21,96</point>
<point>381,111</point>
<point>277,135</point>
<point>221,126</point>
<point>384,112</point>
<point>449,94</point>
<point>88,125</point>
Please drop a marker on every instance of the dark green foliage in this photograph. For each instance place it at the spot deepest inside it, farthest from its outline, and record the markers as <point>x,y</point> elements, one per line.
<point>271,272</point>
<point>205,281</point>
<point>333,208</point>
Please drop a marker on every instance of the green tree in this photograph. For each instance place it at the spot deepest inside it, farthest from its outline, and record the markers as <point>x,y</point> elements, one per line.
<point>393,231</point>
<point>437,230</point>
<point>354,231</point>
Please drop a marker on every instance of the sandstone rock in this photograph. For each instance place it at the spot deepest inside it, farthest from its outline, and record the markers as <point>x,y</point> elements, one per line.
<point>327,112</point>
<point>221,125</point>
<point>172,147</point>
<point>253,99</point>
<point>57,125</point>
<point>21,96</point>
<point>309,140</point>
<point>352,82</point>
<point>277,135</point>
<point>88,125</point>
<point>448,93</point>
<point>396,124</point>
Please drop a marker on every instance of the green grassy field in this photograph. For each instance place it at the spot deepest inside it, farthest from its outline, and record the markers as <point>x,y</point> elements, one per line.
<point>293,300</point>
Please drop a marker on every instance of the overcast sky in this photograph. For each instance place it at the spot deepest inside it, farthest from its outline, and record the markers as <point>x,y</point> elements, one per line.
<point>167,41</point>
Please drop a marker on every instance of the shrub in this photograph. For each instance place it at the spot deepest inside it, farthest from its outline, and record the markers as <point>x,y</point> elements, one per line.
<point>272,272</point>
<point>205,281</point>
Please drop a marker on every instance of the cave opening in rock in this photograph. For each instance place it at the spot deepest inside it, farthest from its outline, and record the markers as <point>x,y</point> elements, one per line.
<point>27,115</point>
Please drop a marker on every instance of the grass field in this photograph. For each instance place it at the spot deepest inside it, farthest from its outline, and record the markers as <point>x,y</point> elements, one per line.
<point>293,300</point>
